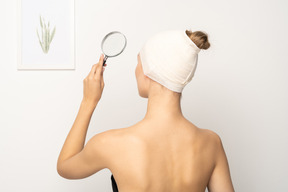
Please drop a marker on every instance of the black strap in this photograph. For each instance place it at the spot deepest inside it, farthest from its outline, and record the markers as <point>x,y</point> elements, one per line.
<point>114,184</point>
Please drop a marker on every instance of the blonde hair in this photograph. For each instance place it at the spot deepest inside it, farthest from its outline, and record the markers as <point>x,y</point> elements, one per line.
<point>199,38</point>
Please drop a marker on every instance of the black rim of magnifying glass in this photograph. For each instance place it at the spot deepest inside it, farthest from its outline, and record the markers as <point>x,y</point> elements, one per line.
<point>111,33</point>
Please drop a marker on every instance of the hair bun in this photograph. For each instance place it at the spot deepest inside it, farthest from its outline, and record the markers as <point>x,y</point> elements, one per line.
<point>199,38</point>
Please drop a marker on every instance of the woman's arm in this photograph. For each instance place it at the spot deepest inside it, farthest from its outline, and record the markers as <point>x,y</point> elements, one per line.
<point>220,180</point>
<point>74,160</point>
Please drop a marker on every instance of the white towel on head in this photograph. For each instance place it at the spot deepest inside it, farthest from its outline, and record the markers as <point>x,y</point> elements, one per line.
<point>170,58</point>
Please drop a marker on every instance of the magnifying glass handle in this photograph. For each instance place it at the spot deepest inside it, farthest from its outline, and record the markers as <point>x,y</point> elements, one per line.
<point>104,61</point>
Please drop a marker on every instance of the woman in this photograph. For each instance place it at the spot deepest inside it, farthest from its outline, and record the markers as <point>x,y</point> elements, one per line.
<point>164,151</point>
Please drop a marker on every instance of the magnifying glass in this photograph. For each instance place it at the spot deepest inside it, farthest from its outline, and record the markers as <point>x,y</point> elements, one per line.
<point>113,44</point>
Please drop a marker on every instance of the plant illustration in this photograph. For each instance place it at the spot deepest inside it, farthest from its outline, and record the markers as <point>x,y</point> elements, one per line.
<point>47,36</point>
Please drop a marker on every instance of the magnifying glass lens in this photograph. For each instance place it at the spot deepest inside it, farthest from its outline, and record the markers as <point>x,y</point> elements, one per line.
<point>113,44</point>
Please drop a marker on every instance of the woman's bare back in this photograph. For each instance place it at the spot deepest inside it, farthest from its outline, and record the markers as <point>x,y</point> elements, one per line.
<point>162,156</point>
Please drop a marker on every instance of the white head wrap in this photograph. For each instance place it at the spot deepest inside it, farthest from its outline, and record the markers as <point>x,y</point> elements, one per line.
<point>170,58</point>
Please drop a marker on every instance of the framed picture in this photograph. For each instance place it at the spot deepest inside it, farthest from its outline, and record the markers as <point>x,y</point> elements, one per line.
<point>46,34</point>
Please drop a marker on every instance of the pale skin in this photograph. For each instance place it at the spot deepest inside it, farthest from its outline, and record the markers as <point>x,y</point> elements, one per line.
<point>164,152</point>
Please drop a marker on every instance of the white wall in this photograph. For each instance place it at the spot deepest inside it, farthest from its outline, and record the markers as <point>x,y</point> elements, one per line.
<point>239,89</point>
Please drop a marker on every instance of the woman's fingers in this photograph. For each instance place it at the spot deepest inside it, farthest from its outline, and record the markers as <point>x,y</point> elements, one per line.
<point>94,83</point>
<point>93,70</point>
<point>99,72</point>
<point>97,69</point>
<point>101,58</point>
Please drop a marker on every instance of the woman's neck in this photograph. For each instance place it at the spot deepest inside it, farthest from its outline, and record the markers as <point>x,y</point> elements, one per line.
<point>163,104</point>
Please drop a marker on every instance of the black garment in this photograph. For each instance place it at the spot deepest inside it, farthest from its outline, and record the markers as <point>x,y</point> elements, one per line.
<point>114,184</point>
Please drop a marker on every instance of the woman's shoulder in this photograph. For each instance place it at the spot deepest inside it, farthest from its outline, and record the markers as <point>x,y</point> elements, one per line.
<point>108,142</point>
<point>110,135</point>
<point>113,137</point>
<point>210,138</point>
<point>209,133</point>
<point>203,133</point>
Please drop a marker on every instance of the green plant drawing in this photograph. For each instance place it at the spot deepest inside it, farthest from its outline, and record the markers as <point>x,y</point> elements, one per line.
<point>47,36</point>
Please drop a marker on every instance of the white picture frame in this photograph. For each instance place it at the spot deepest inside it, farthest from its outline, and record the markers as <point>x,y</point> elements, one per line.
<point>45,34</point>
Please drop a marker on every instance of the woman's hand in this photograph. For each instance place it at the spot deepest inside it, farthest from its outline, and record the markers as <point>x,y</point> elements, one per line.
<point>93,84</point>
